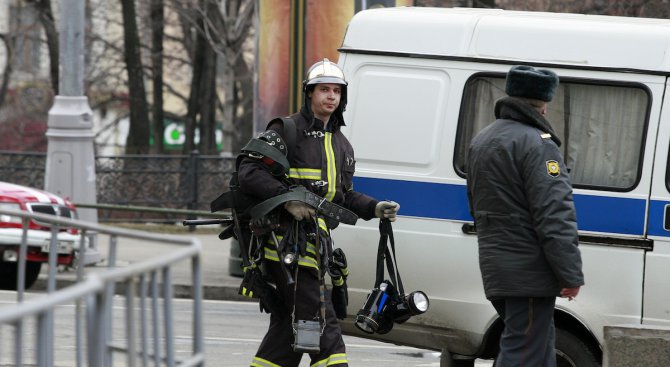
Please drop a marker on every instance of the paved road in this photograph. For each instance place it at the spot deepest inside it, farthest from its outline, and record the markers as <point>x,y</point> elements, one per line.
<point>233,329</point>
<point>232,333</point>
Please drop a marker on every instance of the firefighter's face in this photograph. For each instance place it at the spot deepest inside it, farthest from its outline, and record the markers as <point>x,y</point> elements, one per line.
<point>325,99</point>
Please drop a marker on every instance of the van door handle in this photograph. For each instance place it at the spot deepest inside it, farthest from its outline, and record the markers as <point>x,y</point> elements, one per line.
<point>469,228</point>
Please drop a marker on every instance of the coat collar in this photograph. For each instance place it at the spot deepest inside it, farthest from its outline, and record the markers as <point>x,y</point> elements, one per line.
<point>516,109</point>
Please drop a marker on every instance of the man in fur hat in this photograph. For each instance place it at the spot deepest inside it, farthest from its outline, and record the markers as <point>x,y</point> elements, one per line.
<point>520,196</point>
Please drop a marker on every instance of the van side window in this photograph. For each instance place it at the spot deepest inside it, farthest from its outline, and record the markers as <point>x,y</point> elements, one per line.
<point>602,127</point>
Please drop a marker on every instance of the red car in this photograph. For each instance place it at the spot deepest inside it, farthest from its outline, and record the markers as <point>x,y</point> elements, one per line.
<point>19,197</point>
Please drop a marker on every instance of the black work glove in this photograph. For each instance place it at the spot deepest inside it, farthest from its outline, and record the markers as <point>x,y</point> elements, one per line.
<point>254,286</point>
<point>339,272</point>
<point>340,298</point>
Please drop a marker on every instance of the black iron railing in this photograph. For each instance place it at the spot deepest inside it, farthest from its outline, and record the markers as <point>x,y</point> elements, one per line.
<point>162,181</point>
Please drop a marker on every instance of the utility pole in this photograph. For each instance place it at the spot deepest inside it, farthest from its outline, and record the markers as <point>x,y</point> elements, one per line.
<point>70,167</point>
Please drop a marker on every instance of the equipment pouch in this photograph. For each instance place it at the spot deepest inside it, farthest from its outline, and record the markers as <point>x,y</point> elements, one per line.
<point>307,336</point>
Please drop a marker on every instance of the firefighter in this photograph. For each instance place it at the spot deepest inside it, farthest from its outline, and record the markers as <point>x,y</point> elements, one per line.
<point>321,159</point>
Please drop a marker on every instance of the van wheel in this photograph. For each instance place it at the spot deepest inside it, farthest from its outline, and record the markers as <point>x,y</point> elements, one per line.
<point>449,360</point>
<point>572,352</point>
<point>463,363</point>
<point>9,274</point>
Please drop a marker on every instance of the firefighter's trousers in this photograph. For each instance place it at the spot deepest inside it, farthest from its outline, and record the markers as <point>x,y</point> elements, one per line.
<point>275,349</point>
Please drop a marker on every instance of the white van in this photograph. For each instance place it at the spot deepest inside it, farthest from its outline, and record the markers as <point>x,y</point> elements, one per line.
<point>422,83</point>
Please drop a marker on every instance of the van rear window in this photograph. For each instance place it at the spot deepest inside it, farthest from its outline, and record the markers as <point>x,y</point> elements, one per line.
<point>602,128</point>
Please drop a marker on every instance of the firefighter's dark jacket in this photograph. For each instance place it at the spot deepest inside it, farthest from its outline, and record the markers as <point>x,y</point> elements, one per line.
<point>323,162</point>
<point>520,195</point>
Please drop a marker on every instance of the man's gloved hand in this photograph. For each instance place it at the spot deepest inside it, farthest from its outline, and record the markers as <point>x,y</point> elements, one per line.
<point>299,210</point>
<point>387,209</point>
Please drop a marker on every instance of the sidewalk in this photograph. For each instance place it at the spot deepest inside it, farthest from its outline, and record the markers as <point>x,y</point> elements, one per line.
<point>217,283</point>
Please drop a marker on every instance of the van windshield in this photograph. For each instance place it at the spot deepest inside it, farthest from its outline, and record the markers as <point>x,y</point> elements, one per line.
<point>602,128</point>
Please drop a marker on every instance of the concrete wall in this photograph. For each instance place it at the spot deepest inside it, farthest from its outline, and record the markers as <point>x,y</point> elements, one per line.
<point>637,345</point>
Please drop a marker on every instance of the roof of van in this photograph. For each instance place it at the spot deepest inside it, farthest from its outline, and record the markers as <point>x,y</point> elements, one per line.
<point>592,41</point>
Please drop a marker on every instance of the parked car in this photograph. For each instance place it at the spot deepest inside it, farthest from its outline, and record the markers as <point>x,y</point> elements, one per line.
<point>19,197</point>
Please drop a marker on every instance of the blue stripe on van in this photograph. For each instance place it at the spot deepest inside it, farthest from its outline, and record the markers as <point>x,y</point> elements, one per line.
<point>419,199</point>
<point>448,201</point>
<point>656,214</point>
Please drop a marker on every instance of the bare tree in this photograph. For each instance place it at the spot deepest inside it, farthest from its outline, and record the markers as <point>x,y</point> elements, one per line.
<point>157,24</point>
<point>234,25</point>
<point>7,72</point>
<point>137,141</point>
<point>46,17</point>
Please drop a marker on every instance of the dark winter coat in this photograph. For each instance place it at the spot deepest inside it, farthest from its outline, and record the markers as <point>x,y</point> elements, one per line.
<point>521,198</point>
<point>323,161</point>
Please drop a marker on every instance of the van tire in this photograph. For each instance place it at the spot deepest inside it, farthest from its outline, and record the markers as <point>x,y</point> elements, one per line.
<point>448,360</point>
<point>463,363</point>
<point>9,274</point>
<point>572,352</point>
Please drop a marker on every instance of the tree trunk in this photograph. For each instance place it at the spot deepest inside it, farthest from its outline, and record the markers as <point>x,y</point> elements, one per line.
<point>45,14</point>
<point>6,74</point>
<point>208,97</point>
<point>137,141</point>
<point>233,22</point>
<point>47,19</point>
<point>243,101</point>
<point>207,103</point>
<point>194,96</point>
<point>157,24</point>
<point>186,20</point>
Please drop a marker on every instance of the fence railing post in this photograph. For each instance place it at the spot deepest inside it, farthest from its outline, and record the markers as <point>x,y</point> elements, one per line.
<point>192,174</point>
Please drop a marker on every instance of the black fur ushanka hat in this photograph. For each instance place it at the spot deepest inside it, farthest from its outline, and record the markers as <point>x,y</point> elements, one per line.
<point>528,82</point>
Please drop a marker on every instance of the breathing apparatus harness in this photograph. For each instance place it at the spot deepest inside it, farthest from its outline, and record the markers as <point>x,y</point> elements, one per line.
<point>291,249</point>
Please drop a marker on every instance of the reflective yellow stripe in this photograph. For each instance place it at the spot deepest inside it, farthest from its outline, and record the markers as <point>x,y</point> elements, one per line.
<point>309,262</point>
<point>271,254</point>
<point>311,248</point>
<point>337,281</point>
<point>250,293</point>
<point>330,162</point>
<point>322,224</point>
<point>272,241</point>
<point>332,360</point>
<point>345,272</point>
<point>260,362</point>
<point>305,173</point>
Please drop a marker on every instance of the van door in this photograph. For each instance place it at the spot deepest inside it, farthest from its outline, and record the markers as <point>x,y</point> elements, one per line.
<point>657,270</point>
<point>402,123</point>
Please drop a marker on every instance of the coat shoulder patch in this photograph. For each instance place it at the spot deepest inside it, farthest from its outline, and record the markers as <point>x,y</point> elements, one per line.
<point>553,169</point>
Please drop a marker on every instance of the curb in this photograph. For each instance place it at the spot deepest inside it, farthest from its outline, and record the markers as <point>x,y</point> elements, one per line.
<point>209,292</point>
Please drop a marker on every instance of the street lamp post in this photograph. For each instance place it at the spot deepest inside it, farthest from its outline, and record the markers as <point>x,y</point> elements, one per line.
<point>70,167</point>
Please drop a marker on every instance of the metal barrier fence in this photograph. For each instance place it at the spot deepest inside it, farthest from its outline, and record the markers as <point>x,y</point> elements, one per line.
<point>148,281</point>
<point>167,181</point>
